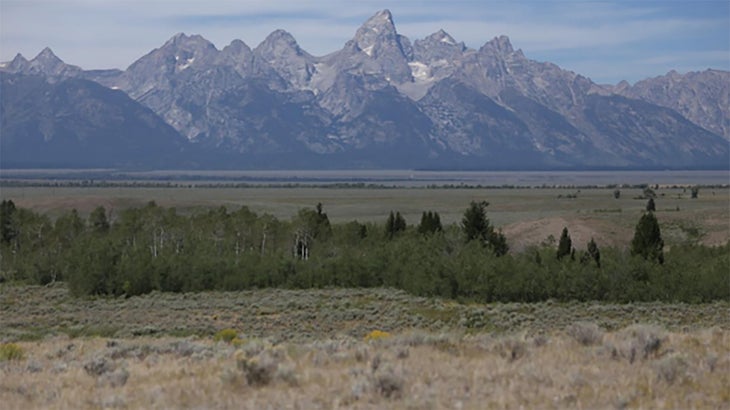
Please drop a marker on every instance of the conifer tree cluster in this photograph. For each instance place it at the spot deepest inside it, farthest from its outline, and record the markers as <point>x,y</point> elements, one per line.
<point>430,223</point>
<point>476,227</point>
<point>396,223</point>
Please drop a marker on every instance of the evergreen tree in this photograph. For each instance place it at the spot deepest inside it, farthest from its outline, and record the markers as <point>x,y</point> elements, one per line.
<point>390,225</point>
<point>565,244</point>
<point>8,228</point>
<point>650,206</point>
<point>400,223</point>
<point>476,227</point>
<point>396,223</point>
<point>498,243</point>
<point>475,223</point>
<point>430,223</point>
<point>647,241</point>
<point>98,220</point>
<point>594,253</point>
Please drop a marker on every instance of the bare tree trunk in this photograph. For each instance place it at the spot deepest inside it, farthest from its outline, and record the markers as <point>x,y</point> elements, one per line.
<point>263,241</point>
<point>154,243</point>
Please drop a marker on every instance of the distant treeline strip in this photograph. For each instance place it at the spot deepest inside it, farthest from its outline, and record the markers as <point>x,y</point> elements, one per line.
<point>46,183</point>
<point>156,249</point>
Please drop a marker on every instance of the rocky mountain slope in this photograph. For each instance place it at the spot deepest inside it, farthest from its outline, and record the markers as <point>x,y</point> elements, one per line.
<point>384,101</point>
<point>702,97</point>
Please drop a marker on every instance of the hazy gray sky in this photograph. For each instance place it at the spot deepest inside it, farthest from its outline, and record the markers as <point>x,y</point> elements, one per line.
<point>606,41</point>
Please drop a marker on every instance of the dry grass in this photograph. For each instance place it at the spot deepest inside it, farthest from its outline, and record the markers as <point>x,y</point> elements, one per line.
<point>351,348</point>
<point>687,370</point>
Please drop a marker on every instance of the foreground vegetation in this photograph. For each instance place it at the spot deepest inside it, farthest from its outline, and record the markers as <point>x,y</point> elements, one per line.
<point>355,348</point>
<point>411,370</point>
<point>156,249</point>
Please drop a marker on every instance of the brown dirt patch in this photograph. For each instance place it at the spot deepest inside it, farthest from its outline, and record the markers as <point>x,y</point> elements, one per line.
<point>532,233</point>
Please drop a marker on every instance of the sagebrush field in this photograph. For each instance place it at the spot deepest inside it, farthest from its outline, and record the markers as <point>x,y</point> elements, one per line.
<point>347,348</point>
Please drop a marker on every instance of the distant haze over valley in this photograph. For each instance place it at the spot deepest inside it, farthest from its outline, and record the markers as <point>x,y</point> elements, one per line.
<point>382,101</point>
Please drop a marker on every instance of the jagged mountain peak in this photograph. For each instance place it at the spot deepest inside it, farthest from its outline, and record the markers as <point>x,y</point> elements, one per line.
<point>184,40</point>
<point>377,49</point>
<point>237,55</point>
<point>380,22</point>
<point>278,42</point>
<point>500,44</point>
<point>46,57</point>
<point>280,35</point>
<point>281,53</point>
<point>48,64</point>
<point>376,29</point>
<point>442,36</point>
<point>18,63</point>
<point>384,17</point>
<point>237,47</point>
<point>673,74</point>
<point>177,54</point>
<point>19,58</point>
<point>438,46</point>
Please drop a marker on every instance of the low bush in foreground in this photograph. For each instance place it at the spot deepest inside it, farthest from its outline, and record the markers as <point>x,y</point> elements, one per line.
<point>11,351</point>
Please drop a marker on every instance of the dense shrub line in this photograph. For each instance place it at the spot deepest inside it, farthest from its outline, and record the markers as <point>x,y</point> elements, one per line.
<point>155,248</point>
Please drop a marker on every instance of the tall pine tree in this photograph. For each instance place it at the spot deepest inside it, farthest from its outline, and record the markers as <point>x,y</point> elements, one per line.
<point>476,227</point>
<point>650,205</point>
<point>430,223</point>
<point>565,245</point>
<point>396,223</point>
<point>647,241</point>
<point>8,228</point>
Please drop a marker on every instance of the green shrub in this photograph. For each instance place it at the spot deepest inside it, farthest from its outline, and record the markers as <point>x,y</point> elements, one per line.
<point>226,335</point>
<point>11,351</point>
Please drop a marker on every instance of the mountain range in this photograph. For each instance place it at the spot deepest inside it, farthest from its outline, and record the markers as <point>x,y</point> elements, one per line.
<point>381,101</point>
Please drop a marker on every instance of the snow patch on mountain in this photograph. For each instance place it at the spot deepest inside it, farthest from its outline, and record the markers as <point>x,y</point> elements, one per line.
<point>186,64</point>
<point>420,71</point>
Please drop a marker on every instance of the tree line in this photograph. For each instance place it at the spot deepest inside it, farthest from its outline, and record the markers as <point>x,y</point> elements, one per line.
<point>153,248</point>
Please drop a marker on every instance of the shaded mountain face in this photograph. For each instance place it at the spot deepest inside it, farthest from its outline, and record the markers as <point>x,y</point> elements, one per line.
<point>79,123</point>
<point>383,101</point>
